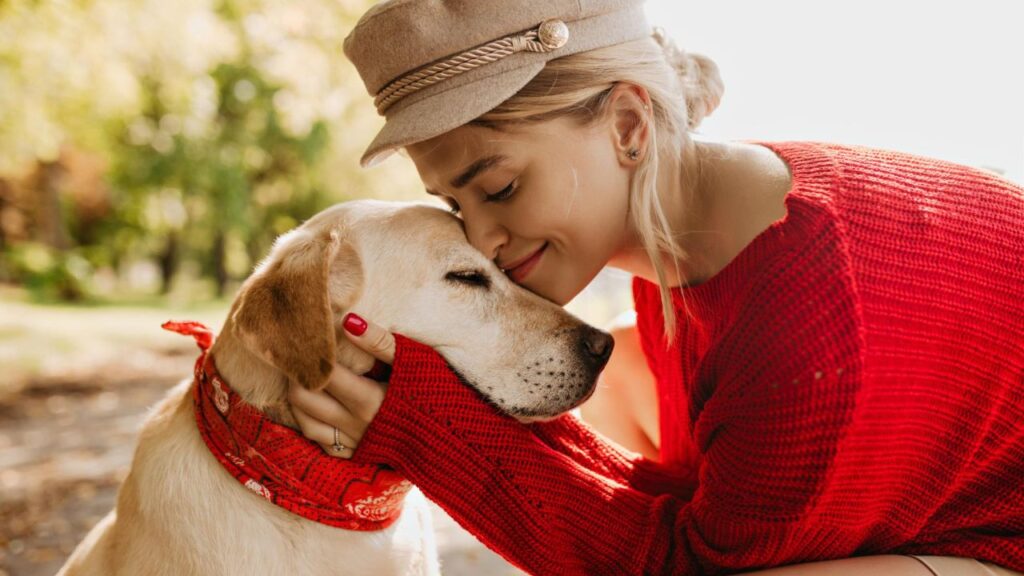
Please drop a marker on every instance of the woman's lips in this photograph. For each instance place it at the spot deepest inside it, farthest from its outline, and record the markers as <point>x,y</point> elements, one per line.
<point>520,272</point>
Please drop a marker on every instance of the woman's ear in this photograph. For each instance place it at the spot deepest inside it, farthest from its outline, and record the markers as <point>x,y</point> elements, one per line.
<point>628,113</point>
<point>284,311</point>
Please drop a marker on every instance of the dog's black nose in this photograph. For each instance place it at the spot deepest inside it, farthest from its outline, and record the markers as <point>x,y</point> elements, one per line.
<point>597,346</point>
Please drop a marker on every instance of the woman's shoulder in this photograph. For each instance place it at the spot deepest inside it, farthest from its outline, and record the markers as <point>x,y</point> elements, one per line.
<point>844,201</point>
<point>859,167</point>
<point>869,191</point>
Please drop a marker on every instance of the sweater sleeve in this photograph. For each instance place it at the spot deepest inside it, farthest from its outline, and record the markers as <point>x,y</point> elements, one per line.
<point>548,514</point>
<point>534,505</point>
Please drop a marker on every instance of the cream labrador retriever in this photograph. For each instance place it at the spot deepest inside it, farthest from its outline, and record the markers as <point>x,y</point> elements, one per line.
<point>410,269</point>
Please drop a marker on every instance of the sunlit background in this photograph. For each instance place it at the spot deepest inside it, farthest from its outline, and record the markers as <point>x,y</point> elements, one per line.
<point>151,151</point>
<point>938,78</point>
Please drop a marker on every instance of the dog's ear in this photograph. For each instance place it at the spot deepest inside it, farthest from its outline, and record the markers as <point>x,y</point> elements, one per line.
<point>284,312</point>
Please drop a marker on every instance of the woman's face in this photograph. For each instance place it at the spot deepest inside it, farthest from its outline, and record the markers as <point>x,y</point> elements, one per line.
<point>553,195</point>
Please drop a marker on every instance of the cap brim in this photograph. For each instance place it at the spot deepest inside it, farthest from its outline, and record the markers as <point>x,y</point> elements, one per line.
<point>438,113</point>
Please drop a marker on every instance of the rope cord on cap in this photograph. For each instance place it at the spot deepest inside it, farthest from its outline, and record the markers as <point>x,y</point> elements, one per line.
<point>549,35</point>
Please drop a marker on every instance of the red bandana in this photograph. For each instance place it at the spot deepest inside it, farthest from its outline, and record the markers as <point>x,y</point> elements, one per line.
<point>279,463</point>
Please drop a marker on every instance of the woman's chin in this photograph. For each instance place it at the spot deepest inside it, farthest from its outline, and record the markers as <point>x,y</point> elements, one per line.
<point>561,290</point>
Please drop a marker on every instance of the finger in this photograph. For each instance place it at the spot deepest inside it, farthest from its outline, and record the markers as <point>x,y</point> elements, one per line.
<point>323,434</point>
<point>370,337</point>
<point>360,395</point>
<point>325,408</point>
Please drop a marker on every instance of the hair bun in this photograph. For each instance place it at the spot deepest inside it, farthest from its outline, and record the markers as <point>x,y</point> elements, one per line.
<point>701,83</point>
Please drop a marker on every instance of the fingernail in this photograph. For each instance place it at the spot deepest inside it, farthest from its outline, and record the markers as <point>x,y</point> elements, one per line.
<point>354,324</point>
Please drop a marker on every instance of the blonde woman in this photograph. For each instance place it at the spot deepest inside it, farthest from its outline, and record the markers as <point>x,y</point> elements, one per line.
<point>826,374</point>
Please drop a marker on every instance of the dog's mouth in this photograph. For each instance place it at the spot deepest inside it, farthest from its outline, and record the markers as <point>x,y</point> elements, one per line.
<point>545,413</point>
<point>593,388</point>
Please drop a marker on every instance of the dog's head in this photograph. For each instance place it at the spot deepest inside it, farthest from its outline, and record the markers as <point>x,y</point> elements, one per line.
<point>409,268</point>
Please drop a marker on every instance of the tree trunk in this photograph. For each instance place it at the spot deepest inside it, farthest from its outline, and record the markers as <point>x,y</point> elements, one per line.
<point>219,269</point>
<point>168,260</point>
<point>49,221</point>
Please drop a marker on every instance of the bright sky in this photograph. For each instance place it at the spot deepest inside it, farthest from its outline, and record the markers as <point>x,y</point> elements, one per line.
<point>939,78</point>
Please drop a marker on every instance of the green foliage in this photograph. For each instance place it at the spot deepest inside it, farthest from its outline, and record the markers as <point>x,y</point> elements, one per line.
<point>222,124</point>
<point>48,274</point>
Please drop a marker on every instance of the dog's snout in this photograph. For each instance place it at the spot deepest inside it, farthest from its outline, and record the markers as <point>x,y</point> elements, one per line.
<point>597,346</point>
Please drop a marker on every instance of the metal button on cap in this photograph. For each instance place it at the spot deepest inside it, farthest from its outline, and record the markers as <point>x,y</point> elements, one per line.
<point>553,33</point>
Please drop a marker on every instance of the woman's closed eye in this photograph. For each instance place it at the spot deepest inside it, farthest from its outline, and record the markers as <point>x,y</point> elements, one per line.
<point>500,196</point>
<point>505,193</point>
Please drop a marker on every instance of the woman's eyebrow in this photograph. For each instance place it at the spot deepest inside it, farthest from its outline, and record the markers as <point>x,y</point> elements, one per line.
<point>474,170</point>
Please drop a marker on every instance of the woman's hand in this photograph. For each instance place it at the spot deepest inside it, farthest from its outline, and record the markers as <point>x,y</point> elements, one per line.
<point>338,416</point>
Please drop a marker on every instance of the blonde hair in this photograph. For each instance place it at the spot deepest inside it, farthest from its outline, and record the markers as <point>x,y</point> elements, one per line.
<point>684,88</point>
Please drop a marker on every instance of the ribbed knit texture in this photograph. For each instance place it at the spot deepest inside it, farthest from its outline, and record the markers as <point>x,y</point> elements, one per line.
<point>852,383</point>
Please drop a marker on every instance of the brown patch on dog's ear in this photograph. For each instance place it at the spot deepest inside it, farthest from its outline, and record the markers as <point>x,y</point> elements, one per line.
<point>284,311</point>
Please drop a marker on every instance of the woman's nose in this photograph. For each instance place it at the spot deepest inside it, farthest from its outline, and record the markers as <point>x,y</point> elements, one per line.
<point>485,233</point>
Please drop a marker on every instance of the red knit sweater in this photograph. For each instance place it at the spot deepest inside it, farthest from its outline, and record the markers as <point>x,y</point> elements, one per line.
<point>852,383</point>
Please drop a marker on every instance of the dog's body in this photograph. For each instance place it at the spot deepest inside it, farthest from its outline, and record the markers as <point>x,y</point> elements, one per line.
<point>406,267</point>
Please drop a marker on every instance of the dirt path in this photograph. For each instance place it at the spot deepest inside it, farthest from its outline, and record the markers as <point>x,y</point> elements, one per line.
<point>67,431</point>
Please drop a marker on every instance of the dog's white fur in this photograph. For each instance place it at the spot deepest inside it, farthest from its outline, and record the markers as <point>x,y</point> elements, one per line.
<point>406,267</point>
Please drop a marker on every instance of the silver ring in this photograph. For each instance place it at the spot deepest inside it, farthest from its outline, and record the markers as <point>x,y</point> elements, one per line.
<point>337,446</point>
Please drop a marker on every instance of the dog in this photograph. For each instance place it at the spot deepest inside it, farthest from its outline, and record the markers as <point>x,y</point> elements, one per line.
<point>407,267</point>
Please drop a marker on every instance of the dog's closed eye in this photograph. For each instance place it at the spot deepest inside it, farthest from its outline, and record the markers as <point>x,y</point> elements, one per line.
<point>470,277</point>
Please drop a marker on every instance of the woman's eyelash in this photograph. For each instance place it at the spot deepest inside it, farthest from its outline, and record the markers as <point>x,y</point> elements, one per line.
<point>505,192</point>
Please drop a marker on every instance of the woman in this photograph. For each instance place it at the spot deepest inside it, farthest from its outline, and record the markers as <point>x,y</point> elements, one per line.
<point>834,331</point>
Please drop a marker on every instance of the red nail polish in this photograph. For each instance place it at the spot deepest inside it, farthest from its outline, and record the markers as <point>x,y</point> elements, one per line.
<point>354,324</point>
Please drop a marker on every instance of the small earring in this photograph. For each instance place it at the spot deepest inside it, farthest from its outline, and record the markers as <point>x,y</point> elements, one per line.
<point>633,154</point>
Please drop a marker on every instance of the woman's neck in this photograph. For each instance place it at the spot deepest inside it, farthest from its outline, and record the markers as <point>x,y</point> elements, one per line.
<point>715,201</point>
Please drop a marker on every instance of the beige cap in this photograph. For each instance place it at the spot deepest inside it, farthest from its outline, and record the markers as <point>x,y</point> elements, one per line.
<point>434,65</point>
